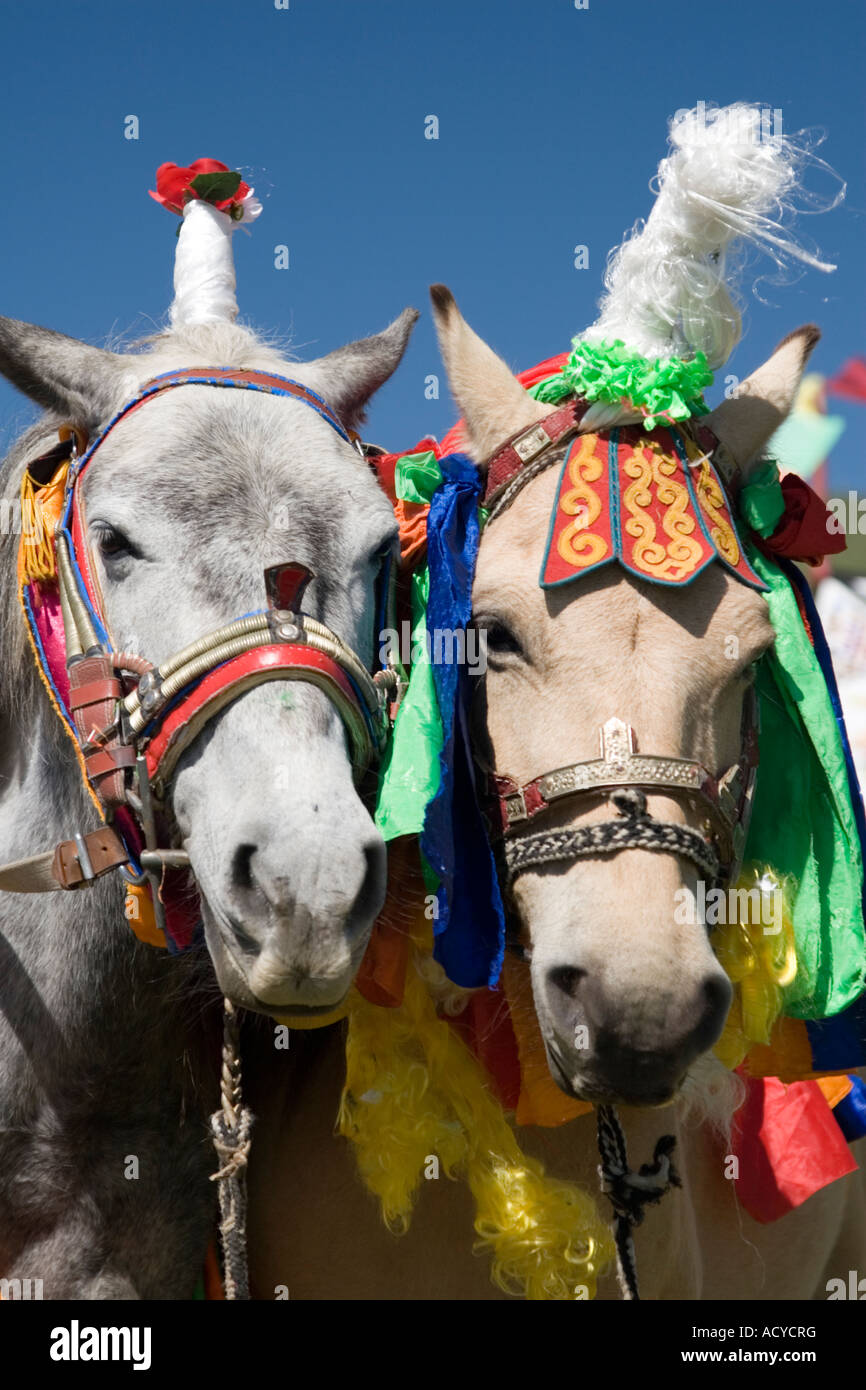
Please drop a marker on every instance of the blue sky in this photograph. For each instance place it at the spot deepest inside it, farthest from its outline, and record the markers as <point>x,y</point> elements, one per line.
<point>551,122</point>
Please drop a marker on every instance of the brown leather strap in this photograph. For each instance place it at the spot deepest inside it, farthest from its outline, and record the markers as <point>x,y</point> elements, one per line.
<point>521,448</point>
<point>104,849</point>
<point>94,690</point>
<point>107,761</point>
<point>101,850</point>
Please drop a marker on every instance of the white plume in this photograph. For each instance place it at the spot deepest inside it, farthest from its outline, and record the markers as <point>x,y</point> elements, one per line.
<point>668,293</point>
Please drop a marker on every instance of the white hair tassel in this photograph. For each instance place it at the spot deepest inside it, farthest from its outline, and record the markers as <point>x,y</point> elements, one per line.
<point>726,178</point>
<point>204,268</point>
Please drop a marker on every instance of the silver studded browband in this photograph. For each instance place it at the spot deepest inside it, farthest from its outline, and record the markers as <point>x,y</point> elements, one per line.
<point>726,802</point>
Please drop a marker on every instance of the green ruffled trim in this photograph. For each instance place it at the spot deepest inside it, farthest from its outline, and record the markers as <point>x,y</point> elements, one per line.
<point>666,387</point>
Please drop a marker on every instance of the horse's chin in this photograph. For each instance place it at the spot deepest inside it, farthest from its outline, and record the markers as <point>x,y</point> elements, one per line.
<point>580,1082</point>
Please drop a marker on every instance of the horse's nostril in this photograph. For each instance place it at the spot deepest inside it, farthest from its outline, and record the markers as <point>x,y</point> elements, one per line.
<point>242,866</point>
<point>566,978</point>
<point>717,995</point>
<point>368,903</point>
<point>247,942</point>
<point>717,991</point>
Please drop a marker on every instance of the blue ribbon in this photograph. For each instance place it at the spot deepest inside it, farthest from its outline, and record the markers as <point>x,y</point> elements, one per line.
<point>850,1113</point>
<point>469,926</point>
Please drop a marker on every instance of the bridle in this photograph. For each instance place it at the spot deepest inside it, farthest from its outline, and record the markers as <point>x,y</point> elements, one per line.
<point>621,771</point>
<point>127,716</point>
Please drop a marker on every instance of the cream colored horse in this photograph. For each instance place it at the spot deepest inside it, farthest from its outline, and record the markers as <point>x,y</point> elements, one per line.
<point>602,933</point>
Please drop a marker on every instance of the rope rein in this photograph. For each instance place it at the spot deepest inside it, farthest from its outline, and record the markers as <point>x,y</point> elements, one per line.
<point>631,1192</point>
<point>231,1126</point>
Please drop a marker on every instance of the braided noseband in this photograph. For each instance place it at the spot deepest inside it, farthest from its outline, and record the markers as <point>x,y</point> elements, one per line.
<point>637,830</point>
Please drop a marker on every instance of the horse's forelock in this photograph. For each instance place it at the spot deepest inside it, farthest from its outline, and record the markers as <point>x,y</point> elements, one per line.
<point>211,345</point>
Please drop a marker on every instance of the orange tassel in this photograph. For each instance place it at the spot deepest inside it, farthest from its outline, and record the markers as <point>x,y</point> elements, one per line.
<point>41,510</point>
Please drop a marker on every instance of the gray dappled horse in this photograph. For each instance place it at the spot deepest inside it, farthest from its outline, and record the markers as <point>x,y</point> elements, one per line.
<point>108,1064</point>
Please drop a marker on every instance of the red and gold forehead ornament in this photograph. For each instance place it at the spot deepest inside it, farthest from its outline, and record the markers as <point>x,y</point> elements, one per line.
<point>654,503</point>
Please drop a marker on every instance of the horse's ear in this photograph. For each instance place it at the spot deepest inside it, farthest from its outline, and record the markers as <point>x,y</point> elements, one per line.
<point>492,400</point>
<point>349,376</point>
<point>761,402</point>
<point>61,374</point>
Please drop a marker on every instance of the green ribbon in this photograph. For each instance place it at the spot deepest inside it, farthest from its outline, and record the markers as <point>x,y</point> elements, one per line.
<point>417,476</point>
<point>409,776</point>
<point>761,502</point>
<point>802,821</point>
<point>410,772</point>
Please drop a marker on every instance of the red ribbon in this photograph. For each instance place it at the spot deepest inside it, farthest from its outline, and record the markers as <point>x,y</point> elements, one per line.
<point>789,1145</point>
<point>803,532</point>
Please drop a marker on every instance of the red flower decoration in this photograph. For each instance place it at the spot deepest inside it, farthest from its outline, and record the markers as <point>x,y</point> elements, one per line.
<point>175,185</point>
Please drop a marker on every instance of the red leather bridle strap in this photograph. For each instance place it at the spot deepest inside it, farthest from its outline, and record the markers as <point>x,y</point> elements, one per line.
<point>524,447</point>
<point>183,724</point>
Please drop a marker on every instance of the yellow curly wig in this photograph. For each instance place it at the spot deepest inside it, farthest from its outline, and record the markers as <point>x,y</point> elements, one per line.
<point>414,1090</point>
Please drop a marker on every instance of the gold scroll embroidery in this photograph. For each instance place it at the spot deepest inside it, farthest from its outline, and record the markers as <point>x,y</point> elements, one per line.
<point>712,498</point>
<point>651,467</point>
<point>576,544</point>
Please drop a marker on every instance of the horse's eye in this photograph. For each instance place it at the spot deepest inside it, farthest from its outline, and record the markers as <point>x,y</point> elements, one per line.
<point>112,542</point>
<point>498,637</point>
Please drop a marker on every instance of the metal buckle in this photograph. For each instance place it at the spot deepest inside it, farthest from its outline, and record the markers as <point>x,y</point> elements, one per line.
<point>84,862</point>
<point>284,625</point>
<point>527,446</point>
<point>148,824</point>
<point>617,742</point>
<point>391,687</point>
<point>515,808</point>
